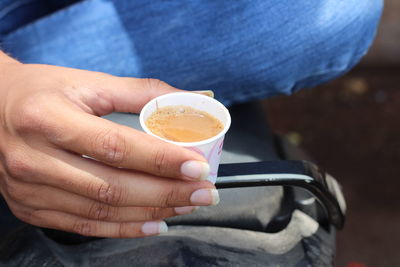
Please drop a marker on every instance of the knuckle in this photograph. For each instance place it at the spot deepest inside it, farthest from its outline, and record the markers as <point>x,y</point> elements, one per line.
<point>17,165</point>
<point>153,214</point>
<point>24,215</point>
<point>110,146</point>
<point>153,88</point>
<point>170,198</point>
<point>22,193</point>
<point>99,211</point>
<point>21,213</point>
<point>15,193</point>
<point>123,230</point>
<point>35,217</point>
<point>161,161</point>
<point>31,117</point>
<point>153,84</point>
<point>110,194</point>
<point>84,227</point>
<point>10,187</point>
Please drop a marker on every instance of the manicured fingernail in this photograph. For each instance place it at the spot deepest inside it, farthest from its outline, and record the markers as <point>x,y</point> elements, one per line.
<point>205,92</point>
<point>185,210</point>
<point>195,170</point>
<point>204,197</point>
<point>154,228</point>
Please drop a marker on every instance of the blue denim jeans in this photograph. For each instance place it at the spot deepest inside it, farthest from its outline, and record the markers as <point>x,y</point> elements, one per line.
<point>243,50</point>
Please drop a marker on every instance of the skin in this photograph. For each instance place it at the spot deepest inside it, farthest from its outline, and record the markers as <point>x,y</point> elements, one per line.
<point>49,118</point>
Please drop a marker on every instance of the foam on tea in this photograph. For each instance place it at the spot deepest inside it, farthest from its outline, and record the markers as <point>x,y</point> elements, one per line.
<point>183,124</point>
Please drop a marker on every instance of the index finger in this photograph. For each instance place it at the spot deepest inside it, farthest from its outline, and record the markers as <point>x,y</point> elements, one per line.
<point>124,147</point>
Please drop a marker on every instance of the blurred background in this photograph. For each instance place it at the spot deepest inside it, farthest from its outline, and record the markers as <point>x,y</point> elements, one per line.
<point>351,128</point>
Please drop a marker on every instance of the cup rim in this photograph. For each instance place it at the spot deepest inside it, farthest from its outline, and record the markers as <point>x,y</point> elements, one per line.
<point>187,144</point>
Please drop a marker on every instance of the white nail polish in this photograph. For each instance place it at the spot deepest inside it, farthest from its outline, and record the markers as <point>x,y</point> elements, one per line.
<point>196,170</point>
<point>205,197</point>
<point>154,228</point>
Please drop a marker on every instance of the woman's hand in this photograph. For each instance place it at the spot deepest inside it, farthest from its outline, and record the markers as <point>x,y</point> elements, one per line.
<point>49,118</point>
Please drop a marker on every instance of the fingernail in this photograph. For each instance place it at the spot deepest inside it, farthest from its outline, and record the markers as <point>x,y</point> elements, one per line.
<point>195,170</point>
<point>185,210</point>
<point>154,228</point>
<point>205,92</point>
<point>204,197</point>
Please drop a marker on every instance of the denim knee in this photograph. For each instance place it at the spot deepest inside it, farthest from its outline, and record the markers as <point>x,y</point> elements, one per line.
<point>348,34</point>
<point>312,42</point>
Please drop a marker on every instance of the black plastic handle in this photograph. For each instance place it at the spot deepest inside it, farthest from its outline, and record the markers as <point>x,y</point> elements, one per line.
<point>302,174</point>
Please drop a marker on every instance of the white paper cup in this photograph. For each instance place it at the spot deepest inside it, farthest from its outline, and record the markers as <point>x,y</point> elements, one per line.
<point>211,148</point>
